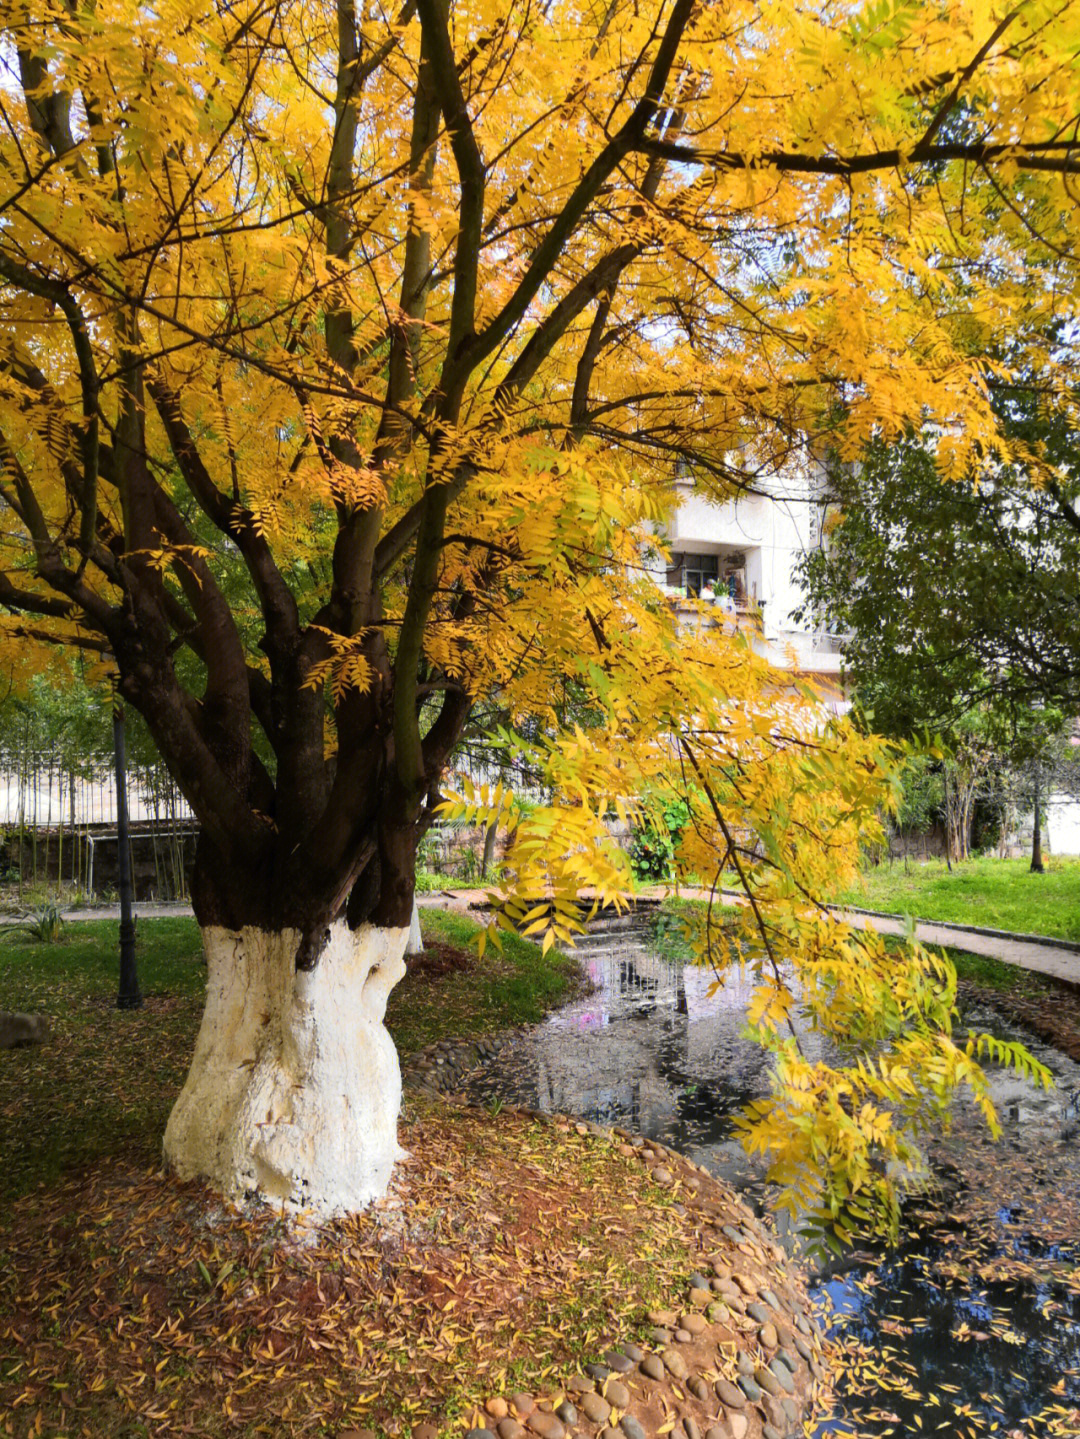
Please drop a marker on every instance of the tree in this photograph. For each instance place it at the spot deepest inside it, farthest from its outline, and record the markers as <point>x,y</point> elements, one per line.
<point>960,602</point>
<point>960,594</point>
<point>350,356</point>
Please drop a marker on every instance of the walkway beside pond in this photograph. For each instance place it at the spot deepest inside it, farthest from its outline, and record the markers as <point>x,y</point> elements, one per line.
<point>1060,961</point>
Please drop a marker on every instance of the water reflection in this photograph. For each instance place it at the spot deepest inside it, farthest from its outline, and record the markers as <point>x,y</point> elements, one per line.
<point>981,1305</point>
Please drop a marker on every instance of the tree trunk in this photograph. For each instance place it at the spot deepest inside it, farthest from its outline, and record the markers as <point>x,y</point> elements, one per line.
<point>1036,835</point>
<point>489,849</point>
<point>294,1091</point>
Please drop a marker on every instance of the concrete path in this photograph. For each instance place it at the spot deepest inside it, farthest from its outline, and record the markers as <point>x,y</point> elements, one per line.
<point>1058,959</point>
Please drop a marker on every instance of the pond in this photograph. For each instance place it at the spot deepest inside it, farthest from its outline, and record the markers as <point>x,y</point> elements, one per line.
<point>972,1325</point>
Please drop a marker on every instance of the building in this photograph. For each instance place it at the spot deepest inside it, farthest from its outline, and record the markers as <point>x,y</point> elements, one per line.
<point>748,548</point>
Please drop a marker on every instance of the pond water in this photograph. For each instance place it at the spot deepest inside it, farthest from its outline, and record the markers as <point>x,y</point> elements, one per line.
<point>972,1325</point>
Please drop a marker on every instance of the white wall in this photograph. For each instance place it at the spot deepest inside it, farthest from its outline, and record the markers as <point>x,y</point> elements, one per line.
<point>1063,824</point>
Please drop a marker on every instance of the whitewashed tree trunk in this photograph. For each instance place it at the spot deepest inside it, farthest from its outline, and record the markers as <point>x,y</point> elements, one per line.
<point>415,945</point>
<point>294,1091</point>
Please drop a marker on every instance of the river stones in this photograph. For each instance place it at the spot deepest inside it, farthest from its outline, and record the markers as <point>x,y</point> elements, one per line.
<point>522,1404</point>
<point>784,1375</point>
<point>750,1388</point>
<point>597,1371</point>
<point>617,1394</point>
<point>652,1367</point>
<point>769,1297</point>
<point>660,1336</point>
<point>662,1318</point>
<point>767,1381</point>
<point>803,1348</point>
<point>662,1175</point>
<point>675,1364</point>
<point>768,1431</point>
<point>739,1425</point>
<point>619,1362</point>
<point>595,1409</point>
<point>747,1286</point>
<point>788,1360</point>
<point>566,1412</point>
<point>497,1408</point>
<point>480,1434</point>
<point>421,1431</point>
<point>579,1384</point>
<point>690,1428</point>
<point>768,1336</point>
<point>744,1362</point>
<point>683,1336</point>
<point>700,1296</point>
<point>631,1427</point>
<point>698,1281</point>
<point>698,1387</point>
<point>759,1313</point>
<point>633,1352</point>
<point>728,1395</point>
<point>717,1312</point>
<point>547,1426</point>
<point>509,1429</point>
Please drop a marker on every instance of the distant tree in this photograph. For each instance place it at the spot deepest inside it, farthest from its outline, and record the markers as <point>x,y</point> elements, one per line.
<point>960,593</point>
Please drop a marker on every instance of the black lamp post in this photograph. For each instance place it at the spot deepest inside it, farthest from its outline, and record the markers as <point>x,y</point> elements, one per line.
<point>128,996</point>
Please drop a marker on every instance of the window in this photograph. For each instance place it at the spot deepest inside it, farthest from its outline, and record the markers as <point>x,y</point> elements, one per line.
<point>694,572</point>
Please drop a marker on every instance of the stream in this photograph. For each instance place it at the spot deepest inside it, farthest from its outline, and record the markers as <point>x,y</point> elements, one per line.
<point>972,1325</point>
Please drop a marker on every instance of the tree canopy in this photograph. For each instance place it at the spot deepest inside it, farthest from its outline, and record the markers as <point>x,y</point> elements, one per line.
<point>350,354</point>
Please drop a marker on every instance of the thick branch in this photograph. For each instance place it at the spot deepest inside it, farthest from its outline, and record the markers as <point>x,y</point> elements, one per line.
<point>1056,156</point>
<point>59,294</point>
<point>629,137</point>
<point>275,598</point>
<point>470,169</point>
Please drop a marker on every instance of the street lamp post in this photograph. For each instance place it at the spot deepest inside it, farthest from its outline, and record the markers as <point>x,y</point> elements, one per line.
<point>128,996</point>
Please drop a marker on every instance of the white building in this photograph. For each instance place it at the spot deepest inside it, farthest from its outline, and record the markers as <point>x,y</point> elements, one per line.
<point>749,547</point>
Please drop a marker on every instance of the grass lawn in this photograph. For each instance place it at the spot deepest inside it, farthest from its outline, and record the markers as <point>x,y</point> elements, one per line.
<point>104,1084</point>
<point>995,893</point>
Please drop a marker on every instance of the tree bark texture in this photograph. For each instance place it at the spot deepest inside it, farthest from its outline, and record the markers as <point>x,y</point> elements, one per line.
<point>294,1090</point>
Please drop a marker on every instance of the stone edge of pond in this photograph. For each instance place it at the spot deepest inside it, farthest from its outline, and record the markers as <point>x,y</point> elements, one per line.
<point>443,1066</point>
<point>737,1355</point>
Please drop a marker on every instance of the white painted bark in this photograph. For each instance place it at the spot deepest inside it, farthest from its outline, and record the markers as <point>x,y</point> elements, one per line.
<point>415,945</point>
<point>294,1091</point>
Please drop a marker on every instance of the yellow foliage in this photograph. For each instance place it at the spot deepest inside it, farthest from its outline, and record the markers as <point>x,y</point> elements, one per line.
<point>351,363</point>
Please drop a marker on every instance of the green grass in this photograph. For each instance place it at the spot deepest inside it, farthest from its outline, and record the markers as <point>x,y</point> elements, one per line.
<point>994,893</point>
<point>500,991</point>
<point>104,1083</point>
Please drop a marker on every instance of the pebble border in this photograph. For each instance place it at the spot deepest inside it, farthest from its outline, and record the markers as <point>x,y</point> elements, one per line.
<point>443,1067</point>
<point>736,1356</point>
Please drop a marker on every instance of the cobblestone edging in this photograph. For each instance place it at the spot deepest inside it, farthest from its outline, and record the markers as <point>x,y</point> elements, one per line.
<point>735,1356</point>
<point>443,1067</point>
